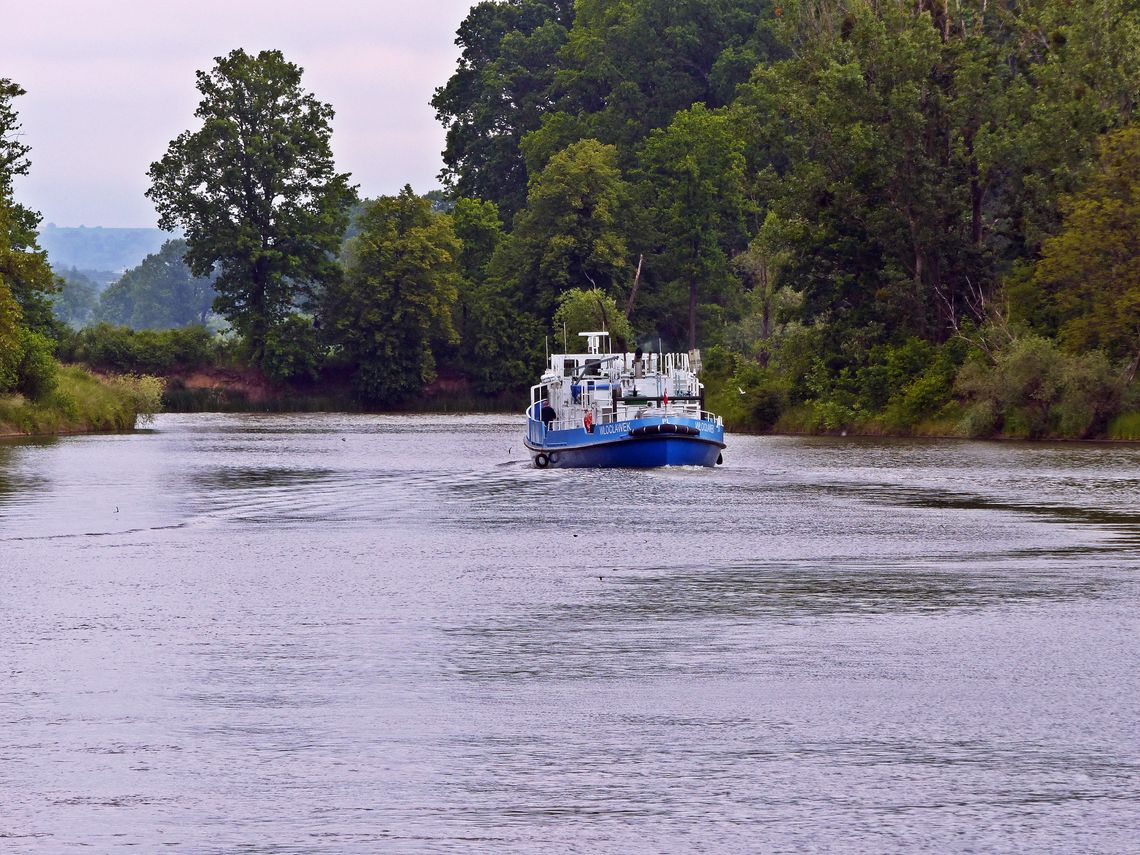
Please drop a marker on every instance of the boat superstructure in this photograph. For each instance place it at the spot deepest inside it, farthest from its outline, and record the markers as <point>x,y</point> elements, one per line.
<point>598,408</point>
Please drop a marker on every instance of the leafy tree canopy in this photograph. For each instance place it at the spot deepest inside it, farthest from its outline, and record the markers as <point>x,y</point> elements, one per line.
<point>498,93</point>
<point>629,65</point>
<point>13,153</point>
<point>694,172</point>
<point>585,310</point>
<point>1090,271</point>
<point>160,293</point>
<point>571,233</point>
<point>394,305</point>
<point>479,230</point>
<point>27,323</point>
<point>255,190</point>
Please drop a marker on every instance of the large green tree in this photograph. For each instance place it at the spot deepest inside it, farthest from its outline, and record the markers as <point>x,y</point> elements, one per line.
<point>255,191</point>
<point>572,232</point>
<point>1090,271</point>
<point>588,310</point>
<point>26,280</point>
<point>393,307</point>
<point>498,93</point>
<point>159,293</point>
<point>871,200</point>
<point>694,172</point>
<point>909,154</point>
<point>498,337</point>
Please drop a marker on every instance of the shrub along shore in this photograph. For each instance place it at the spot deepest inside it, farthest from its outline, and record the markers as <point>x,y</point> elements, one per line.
<point>82,402</point>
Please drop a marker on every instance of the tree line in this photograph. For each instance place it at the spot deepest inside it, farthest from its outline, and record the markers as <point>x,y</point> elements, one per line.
<point>869,214</point>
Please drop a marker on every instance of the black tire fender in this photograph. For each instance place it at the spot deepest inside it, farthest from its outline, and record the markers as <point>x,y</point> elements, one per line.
<point>541,460</point>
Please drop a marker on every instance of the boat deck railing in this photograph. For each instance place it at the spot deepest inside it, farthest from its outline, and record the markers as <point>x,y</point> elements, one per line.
<point>537,430</point>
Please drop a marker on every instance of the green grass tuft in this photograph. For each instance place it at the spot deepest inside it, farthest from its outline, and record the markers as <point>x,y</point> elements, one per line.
<point>82,402</point>
<point>1125,426</point>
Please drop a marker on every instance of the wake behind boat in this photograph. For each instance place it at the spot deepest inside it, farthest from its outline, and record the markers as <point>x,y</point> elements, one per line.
<point>603,409</point>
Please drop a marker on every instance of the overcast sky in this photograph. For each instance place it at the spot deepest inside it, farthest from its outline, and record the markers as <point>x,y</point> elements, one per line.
<point>111,84</point>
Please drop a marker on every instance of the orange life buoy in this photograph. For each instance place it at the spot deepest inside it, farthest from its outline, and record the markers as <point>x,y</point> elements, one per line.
<point>588,421</point>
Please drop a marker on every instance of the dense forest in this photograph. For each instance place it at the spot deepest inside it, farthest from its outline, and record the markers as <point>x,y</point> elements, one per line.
<point>868,215</point>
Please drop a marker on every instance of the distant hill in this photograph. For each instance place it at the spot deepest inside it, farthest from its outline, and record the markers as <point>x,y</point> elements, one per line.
<point>98,248</point>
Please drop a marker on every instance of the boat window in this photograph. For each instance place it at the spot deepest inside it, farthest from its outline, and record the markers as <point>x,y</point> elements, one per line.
<point>568,367</point>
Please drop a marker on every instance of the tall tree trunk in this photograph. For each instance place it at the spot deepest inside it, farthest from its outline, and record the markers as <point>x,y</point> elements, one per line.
<point>633,290</point>
<point>258,313</point>
<point>1132,369</point>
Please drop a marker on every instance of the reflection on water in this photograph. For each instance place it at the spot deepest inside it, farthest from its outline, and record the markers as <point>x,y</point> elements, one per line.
<point>16,486</point>
<point>324,633</point>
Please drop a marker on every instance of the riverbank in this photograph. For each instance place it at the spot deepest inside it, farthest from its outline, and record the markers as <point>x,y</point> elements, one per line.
<point>82,402</point>
<point>235,390</point>
<point>211,393</point>
<point>762,411</point>
<point>88,402</point>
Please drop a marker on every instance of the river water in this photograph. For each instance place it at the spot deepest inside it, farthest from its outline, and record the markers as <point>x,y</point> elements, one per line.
<point>331,633</point>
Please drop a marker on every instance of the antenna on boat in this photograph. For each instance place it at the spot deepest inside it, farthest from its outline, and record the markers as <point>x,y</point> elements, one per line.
<point>565,343</point>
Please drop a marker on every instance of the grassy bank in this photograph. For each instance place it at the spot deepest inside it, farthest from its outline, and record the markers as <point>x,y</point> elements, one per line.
<point>1126,426</point>
<point>82,402</point>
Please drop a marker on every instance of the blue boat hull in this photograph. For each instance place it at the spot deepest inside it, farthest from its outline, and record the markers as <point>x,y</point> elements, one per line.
<point>640,444</point>
<point>635,454</point>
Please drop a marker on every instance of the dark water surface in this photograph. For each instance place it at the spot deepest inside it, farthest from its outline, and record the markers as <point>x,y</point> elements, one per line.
<point>328,633</point>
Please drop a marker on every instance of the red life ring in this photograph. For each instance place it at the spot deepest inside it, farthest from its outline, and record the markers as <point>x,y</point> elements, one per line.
<point>588,422</point>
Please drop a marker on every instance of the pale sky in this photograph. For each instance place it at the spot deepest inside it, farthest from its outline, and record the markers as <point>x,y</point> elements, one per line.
<point>110,84</point>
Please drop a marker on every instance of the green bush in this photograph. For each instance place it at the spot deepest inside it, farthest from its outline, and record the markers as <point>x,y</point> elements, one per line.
<point>1125,426</point>
<point>924,383</point>
<point>795,357</point>
<point>765,396</point>
<point>83,402</point>
<point>980,419</point>
<point>874,387</point>
<point>36,372</point>
<point>889,369</point>
<point>832,415</point>
<point>126,351</point>
<point>922,398</point>
<point>1034,389</point>
<point>142,392</point>
<point>746,394</point>
<point>1090,395</point>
